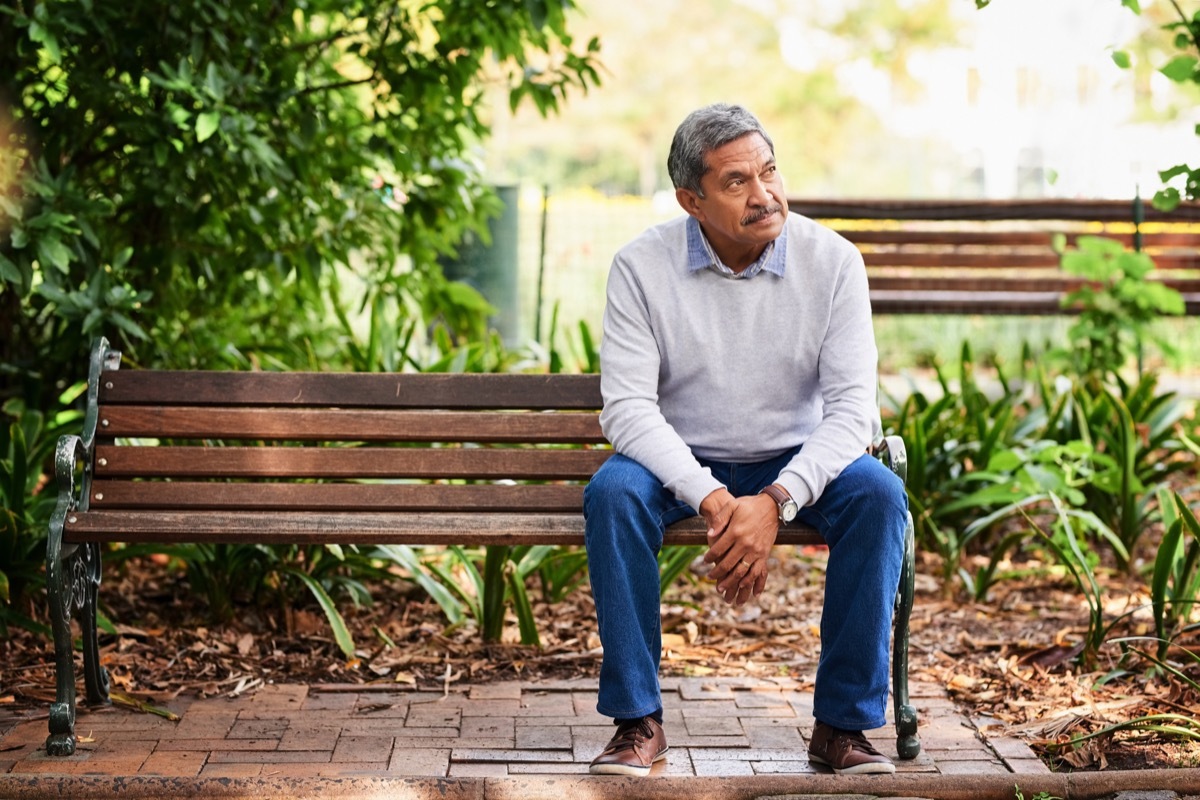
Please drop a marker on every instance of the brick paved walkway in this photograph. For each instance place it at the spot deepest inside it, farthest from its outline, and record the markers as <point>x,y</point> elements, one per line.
<point>716,727</point>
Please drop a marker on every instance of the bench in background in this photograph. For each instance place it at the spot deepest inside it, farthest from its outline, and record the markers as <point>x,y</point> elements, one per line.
<point>335,458</point>
<point>996,256</point>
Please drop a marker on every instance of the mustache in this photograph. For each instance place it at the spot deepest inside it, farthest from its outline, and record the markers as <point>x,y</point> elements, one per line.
<point>762,213</point>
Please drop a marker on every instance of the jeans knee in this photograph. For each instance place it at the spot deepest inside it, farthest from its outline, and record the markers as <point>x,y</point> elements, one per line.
<point>619,501</point>
<point>875,484</point>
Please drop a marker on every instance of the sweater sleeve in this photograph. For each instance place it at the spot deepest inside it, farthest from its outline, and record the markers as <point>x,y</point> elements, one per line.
<point>629,376</point>
<point>848,378</point>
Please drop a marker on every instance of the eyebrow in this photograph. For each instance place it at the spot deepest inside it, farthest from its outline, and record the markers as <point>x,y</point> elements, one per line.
<point>725,177</point>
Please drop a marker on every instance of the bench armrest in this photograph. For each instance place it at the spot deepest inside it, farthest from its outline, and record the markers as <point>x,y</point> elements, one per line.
<point>891,450</point>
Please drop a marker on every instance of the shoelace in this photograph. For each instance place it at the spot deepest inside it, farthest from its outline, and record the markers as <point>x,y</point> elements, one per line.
<point>630,735</point>
<point>854,741</point>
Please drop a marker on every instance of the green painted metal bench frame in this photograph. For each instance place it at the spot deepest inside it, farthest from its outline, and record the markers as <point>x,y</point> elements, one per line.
<point>430,459</point>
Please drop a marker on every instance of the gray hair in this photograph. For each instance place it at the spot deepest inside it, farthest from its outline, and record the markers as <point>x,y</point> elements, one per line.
<point>703,131</point>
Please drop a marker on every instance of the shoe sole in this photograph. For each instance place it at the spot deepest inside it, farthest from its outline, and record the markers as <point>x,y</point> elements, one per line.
<point>870,768</point>
<point>627,770</point>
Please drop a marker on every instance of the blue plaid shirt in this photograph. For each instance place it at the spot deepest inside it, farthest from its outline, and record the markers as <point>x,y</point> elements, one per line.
<point>700,255</point>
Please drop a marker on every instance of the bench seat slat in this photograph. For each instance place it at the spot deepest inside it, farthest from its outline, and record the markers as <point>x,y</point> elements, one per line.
<point>352,390</point>
<point>301,424</point>
<point>362,528</point>
<point>181,495</point>
<point>347,462</point>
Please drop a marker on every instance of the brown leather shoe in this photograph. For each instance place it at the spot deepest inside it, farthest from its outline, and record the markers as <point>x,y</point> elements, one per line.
<point>847,752</point>
<point>637,744</point>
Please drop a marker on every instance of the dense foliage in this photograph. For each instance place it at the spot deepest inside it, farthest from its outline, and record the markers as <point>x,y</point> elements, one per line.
<point>214,182</point>
<point>265,183</point>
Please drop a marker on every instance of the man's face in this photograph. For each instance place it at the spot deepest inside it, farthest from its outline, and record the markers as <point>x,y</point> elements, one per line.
<point>743,207</point>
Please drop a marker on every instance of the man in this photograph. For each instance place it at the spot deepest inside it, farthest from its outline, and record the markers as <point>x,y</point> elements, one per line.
<point>739,375</point>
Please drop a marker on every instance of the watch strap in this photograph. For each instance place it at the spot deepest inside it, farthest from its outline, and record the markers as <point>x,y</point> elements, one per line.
<point>776,493</point>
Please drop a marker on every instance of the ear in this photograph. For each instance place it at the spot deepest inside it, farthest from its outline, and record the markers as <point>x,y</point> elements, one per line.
<point>689,201</point>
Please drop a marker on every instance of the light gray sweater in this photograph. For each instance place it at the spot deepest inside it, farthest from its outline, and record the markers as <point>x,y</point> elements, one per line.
<point>695,364</point>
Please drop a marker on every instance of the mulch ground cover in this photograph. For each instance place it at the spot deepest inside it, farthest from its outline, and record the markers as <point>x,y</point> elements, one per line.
<point>1010,662</point>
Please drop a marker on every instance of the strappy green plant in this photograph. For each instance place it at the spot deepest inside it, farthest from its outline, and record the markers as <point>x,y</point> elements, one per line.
<point>1175,583</point>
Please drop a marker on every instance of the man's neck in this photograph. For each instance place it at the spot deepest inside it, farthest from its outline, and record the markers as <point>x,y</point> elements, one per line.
<point>733,256</point>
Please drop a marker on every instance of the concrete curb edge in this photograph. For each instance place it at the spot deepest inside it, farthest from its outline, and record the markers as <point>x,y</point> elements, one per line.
<point>1078,786</point>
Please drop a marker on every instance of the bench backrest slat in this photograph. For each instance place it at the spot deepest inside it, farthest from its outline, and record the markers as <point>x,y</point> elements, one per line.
<point>996,283</point>
<point>947,302</point>
<point>365,425</point>
<point>347,462</point>
<point>352,390</point>
<point>1151,241</point>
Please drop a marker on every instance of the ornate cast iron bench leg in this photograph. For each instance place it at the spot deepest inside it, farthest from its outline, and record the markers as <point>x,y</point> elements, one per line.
<point>72,582</point>
<point>908,746</point>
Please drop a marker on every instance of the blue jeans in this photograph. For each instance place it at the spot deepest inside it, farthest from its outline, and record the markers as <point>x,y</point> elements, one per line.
<point>861,515</point>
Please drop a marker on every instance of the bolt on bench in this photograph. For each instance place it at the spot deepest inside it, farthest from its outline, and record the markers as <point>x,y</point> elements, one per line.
<point>345,458</point>
<point>997,256</point>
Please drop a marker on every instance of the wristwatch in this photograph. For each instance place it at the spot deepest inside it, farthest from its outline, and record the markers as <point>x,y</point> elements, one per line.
<point>787,506</point>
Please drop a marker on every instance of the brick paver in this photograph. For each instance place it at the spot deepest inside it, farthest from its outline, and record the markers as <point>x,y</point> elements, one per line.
<point>716,727</point>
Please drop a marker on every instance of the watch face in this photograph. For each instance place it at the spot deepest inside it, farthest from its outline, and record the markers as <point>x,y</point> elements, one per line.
<point>787,511</point>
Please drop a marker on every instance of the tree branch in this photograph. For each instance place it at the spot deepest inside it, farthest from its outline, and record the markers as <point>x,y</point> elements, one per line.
<point>1183,18</point>
<point>326,87</point>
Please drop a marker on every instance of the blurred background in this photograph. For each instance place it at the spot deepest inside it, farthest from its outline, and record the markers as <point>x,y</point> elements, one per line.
<point>864,99</point>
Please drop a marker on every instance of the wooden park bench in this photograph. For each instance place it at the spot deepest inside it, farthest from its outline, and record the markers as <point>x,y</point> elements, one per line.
<point>997,256</point>
<point>345,458</point>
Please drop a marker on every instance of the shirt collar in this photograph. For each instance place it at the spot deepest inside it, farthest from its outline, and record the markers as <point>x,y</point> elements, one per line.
<point>700,254</point>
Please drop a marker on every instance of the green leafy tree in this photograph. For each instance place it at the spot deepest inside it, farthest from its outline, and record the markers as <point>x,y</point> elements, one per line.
<point>1117,306</point>
<point>262,183</point>
<point>217,182</point>
<point>1180,182</point>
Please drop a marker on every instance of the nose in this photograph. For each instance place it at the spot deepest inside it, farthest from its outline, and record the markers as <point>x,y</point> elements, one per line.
<point>759,195</point>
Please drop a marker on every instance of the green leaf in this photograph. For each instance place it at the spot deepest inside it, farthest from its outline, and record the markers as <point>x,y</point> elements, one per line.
<point>526,620</point>
<point>1004,461</point>
<point>206,125</point>
<point>1174,172</point>
<point>122,258</point>
<point>537,12</point>
<point>4,596</point>
<point>1167,199</point>
<point>404,556</point>
<point>1132,5</point>
<point>20,470</point>
<point>341,633</point>
<point>129,326</point>
<point>9,271</point>
<point>1121,59</point>
<point>1180,68</point>
<point>39,34</point>
<point>51,251</point>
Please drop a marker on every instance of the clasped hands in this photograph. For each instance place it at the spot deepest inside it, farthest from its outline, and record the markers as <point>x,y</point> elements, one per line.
<point>741,533</point>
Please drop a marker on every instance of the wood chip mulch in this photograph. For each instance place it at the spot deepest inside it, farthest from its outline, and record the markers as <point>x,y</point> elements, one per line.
<point>1009,662</point>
